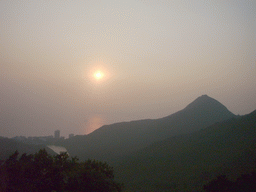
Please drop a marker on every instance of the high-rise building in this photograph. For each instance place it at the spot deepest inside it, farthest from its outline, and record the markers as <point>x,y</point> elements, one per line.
<point>57,134</point>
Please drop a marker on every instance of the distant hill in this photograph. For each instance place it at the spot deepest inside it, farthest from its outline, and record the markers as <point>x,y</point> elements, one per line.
<point>186,162</point>
<point>9,146</point>
<point>113,141</point>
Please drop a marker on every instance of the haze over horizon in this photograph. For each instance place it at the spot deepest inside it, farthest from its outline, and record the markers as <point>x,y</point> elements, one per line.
<point>77,65</point>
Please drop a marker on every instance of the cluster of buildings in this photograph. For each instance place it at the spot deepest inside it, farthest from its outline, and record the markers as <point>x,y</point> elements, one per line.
<point>57,135</point>
<point>42,139</point>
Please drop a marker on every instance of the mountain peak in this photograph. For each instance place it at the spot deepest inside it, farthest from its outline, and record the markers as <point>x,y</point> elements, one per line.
<point>205,102</point>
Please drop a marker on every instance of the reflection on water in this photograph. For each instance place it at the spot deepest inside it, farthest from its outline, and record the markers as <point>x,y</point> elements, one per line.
<point>94,123</point>
<point>58,149</point>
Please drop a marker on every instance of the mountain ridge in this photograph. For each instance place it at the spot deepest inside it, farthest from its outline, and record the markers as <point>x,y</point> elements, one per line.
<point>226,147</point>
<point>115,140</point>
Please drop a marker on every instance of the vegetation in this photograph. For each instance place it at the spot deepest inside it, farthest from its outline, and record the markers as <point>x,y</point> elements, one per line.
<point>45,173</point>
<point>187,162</point>
<point>246,182</point>
<point>194,161</point>
<point>110,142</point>
<point>8,146</point>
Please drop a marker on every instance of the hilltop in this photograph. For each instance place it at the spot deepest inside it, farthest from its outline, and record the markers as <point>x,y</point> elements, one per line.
<point>111,142</point>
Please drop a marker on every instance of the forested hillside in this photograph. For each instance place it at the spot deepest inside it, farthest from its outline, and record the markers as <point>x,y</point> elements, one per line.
<point>187,162</point>
<point>111,142</point>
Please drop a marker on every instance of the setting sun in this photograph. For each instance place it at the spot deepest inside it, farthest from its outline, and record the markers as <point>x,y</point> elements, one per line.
<point>98,75</point>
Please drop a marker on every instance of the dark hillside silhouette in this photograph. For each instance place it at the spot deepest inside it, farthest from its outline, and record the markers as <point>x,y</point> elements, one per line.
<point>9,146</point>
<point>42,172</point>
<point>246,182</point>
<point>112,141</point>
<point>187,161</point>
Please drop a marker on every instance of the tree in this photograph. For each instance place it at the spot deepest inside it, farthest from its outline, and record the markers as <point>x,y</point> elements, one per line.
<point>220,184</point>
<point>246,182</point>
<point>45,173</point>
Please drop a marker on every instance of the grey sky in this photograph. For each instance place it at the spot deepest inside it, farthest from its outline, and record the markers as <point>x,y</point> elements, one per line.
<point>156,56</point>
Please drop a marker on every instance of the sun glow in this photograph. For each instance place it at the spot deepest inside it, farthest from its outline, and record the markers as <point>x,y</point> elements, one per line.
<point>98,75</point>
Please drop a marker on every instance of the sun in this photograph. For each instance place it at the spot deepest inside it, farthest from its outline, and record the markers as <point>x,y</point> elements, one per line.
<point>98,75</point>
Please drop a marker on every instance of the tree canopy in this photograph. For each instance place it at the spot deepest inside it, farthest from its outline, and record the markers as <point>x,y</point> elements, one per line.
<point>246,182</point>
<point>45,173</point>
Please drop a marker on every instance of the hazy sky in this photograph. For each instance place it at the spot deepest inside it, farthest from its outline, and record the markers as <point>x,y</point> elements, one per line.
<point>155,57</point>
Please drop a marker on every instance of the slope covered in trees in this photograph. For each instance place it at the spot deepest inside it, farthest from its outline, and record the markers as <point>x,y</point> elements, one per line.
<point>186,162</point>
<point>246,182</point>
<point>180,152</point>
<point>9,146</point>
<point>113,141</point>
<point>45,173</point>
